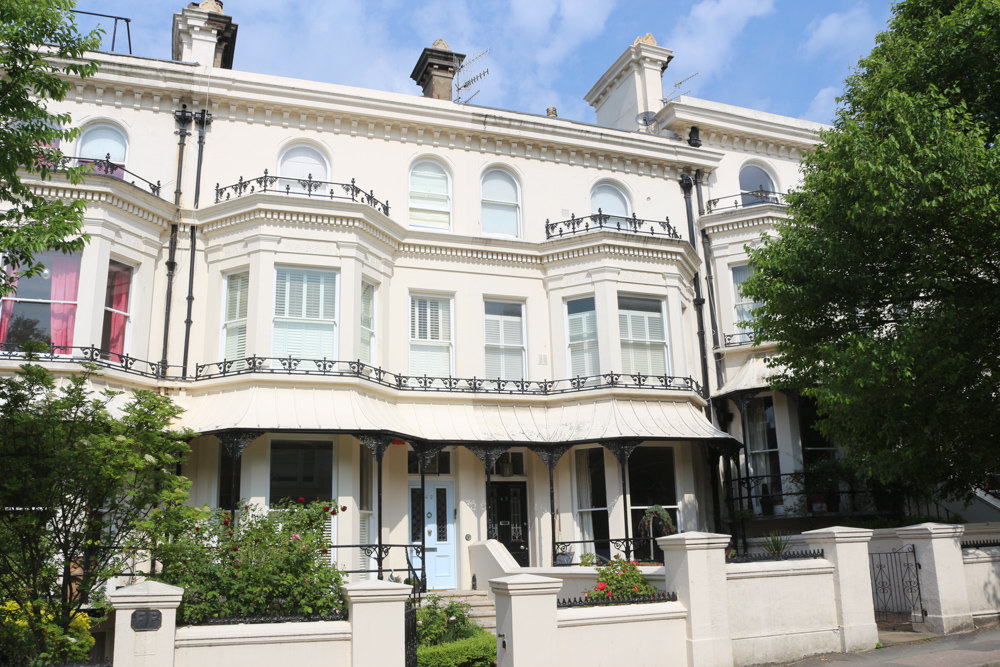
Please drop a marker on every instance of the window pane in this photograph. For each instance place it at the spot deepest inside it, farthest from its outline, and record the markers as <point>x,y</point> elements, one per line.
<point>499,186</point>
<point>365,467</point>
<point>500,218</point>
<point>754,178</point>
<point>610,200</point>
<point>651,476</point>
<point>301,469</point>
<point>300,162</point>
<point>99,142</point>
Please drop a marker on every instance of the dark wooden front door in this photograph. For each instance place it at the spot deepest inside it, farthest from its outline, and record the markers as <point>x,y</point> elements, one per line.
<point>510,509</point>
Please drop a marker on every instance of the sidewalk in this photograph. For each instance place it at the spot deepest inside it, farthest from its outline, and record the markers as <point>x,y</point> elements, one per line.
<point>980,648</point>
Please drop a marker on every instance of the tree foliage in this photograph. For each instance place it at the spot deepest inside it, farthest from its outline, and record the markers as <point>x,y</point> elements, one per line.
<point>78,490</point>
<point>39,47</point>
<point>883,291</point>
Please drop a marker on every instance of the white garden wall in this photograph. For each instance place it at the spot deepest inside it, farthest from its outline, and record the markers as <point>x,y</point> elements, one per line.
<point>628,635</point>
<point>264,644</point>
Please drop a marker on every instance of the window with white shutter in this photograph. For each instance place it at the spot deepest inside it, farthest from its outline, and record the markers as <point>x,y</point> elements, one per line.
<point>367,323</point>
<point>430,196</point>
<point>305,316</point>
<point>501,204</point>
<point>582,328</point>
<point>742,304</point>
<point>504,341</point>
<point>234,328</point>
<point>298,166</point>
<point>430,336</point>
<point>609,200</point>
<point>643,336</point>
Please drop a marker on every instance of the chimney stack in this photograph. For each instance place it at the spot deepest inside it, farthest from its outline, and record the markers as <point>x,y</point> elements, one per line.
<point>551,112</point>
<point>204,34</point>
<point>435,70</point>
<point>632,85</point>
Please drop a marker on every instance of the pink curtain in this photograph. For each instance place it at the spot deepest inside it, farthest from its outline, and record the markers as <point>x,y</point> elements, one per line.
<point>7,310</point>
<point>119,280</point>
<point>65,282</point>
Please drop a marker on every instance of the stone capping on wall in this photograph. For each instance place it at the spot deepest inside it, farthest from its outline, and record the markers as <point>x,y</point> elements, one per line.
<point>262,633</point>
<point>652,611</point>
<point>778,568</point>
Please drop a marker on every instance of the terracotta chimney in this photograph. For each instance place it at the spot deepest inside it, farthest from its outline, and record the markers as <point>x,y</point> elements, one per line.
<point>435,70</point>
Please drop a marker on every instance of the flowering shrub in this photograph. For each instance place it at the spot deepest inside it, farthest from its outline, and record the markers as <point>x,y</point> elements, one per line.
<point>15,635</point>
<point>621,578</point>
<point>437,624</point>
<point>273,563</point>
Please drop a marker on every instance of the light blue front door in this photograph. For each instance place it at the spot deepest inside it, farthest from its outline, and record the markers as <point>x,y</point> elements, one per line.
<point>435,518</point>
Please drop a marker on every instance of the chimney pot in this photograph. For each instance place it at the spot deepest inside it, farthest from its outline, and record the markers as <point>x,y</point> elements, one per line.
<point>551,112</point>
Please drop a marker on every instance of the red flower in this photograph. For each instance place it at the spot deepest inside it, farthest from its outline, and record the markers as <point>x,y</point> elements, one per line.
<point>325,551</point>
<point>601,586</point>
<point>301,499</point>
<point>236,548</point>
<point>333,512</point>
<point>326,508</point>
<point>230,533</point>
<point>225,522</point>
<point>609,593</point>
<point>636,588</point>
<point>344,508</point>
<point>196,529</point>
<point>246,507</point>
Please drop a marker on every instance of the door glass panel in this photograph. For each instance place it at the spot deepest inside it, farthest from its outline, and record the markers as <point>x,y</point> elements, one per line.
<point>516,531</point>
<point>416,514</point>
<point>442,514</point>
<point>651,482</point>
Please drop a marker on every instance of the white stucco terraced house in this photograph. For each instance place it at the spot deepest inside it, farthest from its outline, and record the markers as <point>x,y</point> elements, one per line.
<point>458,322</point>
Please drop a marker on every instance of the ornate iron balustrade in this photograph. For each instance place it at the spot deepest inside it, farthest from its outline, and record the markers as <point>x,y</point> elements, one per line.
<point>980,544</point>
<point>745,200</point>
<point>329,367</point>
<point>738,339</point>
<point>596,600</point>
<point>564,549</point>
<point>337,615</point>
<point>95,355</point>
<point>765,556</point>
<point>306,187</point>
<point>800,494</point>
<point>378,553</point>
<point>105,167</point>
<point>599,221</point>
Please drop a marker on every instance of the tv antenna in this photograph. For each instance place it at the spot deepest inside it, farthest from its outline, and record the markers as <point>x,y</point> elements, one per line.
<point>677,86</point>
<point>462,87</point>
<point>647,119</point>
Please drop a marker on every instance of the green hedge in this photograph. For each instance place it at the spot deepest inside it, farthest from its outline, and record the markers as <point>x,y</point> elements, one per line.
<point>477,651</point>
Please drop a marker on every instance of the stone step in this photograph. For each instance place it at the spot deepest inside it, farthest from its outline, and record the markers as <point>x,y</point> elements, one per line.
<point>481,607</point>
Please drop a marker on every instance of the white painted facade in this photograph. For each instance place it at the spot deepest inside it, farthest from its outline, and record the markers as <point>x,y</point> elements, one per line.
<point>434,243</point>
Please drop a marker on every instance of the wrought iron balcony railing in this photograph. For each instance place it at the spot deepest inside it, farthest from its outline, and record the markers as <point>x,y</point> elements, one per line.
<point>800,494</point>
<point>738,339</point>
<point>637,547</point>
<point>92,354</point>
<point>105,167</point>
<point>612,223</point>
<point>745,200</point>
<point>329,367</point>
<point>300,187</point>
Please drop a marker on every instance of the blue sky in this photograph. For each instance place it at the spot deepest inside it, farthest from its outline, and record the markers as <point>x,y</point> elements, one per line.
<point>783,56</point>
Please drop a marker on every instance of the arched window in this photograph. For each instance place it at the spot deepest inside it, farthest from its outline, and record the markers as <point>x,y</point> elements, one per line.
<point>100,143</point>
<point>501,203</point>
<point>609,200</point>
<point>757,186</point>
<point>302,170</point>
<point>430,196</point>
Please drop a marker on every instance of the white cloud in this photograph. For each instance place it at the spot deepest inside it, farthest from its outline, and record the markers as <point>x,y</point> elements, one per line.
<point>823,105</point>
<point>846,35</point>
<point>703,40</point>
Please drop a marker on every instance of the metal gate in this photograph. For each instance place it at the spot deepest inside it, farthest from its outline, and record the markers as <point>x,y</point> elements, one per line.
<point>896,586</point>
<point>410,623</point>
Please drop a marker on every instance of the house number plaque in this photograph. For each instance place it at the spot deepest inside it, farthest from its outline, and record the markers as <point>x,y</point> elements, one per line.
<point>144,620</point>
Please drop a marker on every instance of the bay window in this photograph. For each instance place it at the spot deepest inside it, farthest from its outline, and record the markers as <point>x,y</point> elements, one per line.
<point>430,336</point>
<point>234,327</point>
<point>582,328</point>
<point>504,341</point>
<point>116,310</point>
<point>305,315</point>
<point>43,307</point>
<point>367,323</point>
<point>643,336</point>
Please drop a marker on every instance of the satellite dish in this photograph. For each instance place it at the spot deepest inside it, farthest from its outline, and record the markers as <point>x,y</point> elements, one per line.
<point>646,119</point>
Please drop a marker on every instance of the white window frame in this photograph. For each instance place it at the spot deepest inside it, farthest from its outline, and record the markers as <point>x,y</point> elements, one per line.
<point>225,323</point>
<point>127,343</point>
<point>410,328</point>
<point>517,203</point>
<point>336,305</point>
<point>608,184</point>
<point>524,335</point>
<point>409,190</point>
<point>12,297</point>
<point>569,343</point>
<point>647,340</point>
<point>321,190</point>
<point>373,331</point>
<point>677,494</point>
<point>103,124</point>
<point>744,333</point>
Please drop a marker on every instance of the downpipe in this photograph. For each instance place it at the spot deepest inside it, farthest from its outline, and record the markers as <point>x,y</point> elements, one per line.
<point>699,301</point>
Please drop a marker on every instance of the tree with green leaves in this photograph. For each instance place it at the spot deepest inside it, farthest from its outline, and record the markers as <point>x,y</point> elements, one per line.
<point>883,290</point>
<point>39,46</point>
<point>81,492</point>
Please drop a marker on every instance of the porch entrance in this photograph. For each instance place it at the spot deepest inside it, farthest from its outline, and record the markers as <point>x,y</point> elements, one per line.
<point>509,505</point>
<point>433,514</point>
